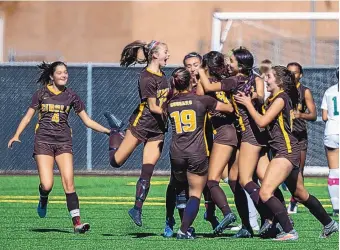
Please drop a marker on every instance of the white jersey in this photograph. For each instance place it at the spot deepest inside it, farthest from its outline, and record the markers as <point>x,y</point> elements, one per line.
<point>331,103</point>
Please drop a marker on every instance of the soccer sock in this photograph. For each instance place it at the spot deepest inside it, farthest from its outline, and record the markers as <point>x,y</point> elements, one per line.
<point>280,213</point>
<point>219,197</point>
<point>43,196</point>
<point>170,201</point>
<point>278,194</point>
<point>252,211</point>
<point>72,202</point>
<point>115,140</point>
<point>181,213</point>
<point>253,190</point>
<point>208,203</point>
<point>142,190</point>
<point>240,201</point>
<point>316,209</point>
<point>333,187</point>
<point>190,213</point>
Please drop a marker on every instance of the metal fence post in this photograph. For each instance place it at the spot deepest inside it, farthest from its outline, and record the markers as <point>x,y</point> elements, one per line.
<point>89,111</point>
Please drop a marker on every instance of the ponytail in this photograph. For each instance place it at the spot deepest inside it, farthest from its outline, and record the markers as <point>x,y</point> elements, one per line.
<point>139,52</point>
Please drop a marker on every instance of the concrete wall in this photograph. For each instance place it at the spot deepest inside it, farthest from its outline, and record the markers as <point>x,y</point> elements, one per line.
<point>97,31</point>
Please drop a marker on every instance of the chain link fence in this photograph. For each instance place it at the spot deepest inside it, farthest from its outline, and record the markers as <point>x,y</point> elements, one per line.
<point>109,88</point>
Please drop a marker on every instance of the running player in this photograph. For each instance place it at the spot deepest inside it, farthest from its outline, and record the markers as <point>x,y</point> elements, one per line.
<point>148,121</point>
<point>53,138</point>
<point>306,111</point>
<point>278,118</point>
<point>189,149</point>
<point>330,114</point>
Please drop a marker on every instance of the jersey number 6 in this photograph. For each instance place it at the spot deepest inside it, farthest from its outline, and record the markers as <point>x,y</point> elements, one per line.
<point>185,121</point>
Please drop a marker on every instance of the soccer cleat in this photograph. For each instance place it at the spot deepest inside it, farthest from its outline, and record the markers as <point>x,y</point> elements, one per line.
<point>227,220</point>
<point>335,212</point>
<point>265,229</point>
<point>169,227</point>
<point>81,228</point>
<point>328,230</point>
<point>292,207</point>
<point>243,233</point>
<point>113,121</point>
<point>191,231</point>
<point>184,236</point>
<point>292,235</point>
<point>213,220</point>
<point>42,209</point>
<point>136,216</point>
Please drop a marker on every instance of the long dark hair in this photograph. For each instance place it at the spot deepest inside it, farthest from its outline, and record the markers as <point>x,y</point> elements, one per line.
<point>47,70</point>
<point>215,63</point>
<point>129,54</point>
<point>286,80</point>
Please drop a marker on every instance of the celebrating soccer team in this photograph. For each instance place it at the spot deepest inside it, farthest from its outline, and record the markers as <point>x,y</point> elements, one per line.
<point>227,123</point>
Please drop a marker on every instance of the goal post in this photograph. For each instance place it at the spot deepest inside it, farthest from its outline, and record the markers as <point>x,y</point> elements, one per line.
<point>283,37</point>
<point>218,17</point>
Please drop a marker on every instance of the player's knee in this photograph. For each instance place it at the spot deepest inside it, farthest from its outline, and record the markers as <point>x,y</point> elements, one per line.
<point>265,194</point>
<point>301,196</point>
<point>47,188</point>
<point>212,183</point>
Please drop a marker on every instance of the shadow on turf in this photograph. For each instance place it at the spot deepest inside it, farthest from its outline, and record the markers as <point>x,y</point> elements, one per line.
<point>48,230</point>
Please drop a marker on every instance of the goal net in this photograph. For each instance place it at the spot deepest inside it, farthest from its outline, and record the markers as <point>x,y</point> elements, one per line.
<point>310,38</point>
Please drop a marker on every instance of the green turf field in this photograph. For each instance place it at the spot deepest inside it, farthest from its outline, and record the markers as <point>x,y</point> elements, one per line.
<point>104,202</point>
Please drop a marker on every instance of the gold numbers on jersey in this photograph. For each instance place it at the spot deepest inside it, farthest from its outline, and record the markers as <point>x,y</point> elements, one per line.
<point>185,121</point>
<point>221,97</point>
<point>55,117</point>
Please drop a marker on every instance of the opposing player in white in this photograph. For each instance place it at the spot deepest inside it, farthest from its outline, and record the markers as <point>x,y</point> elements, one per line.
<point>330,114</point>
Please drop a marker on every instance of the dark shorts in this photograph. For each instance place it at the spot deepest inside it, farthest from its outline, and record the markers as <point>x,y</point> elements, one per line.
<point>302,139</point>
<point>53,150</point>
<point>254,136</point>
<point>196,165</point>
<point>226,135</point>
<point>145,136</point>
<point>293,157</point>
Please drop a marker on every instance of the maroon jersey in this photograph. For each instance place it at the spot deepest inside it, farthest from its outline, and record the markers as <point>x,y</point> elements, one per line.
<point>300,125</point>
<point>151,85</point>
<point>219,119</point>
<point>54,108</point>
<point>281,128</point>
<point>232,85</point>
<point>188,113</point>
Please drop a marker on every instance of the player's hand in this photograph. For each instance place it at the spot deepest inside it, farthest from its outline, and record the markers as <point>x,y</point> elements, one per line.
<point>297,114</point>
<point>243,99</point>
<point>11,141</point>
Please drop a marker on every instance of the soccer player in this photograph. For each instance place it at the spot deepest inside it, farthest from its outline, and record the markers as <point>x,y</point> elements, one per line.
<point>252,138</point>
<point>306,111</point>
<point>148,122</point>
<point>278,118</point>
<point>189,150</point>
<point>53,140</point>
<point>330,114</point>
<point>225,138</point>
<point>177,192</point>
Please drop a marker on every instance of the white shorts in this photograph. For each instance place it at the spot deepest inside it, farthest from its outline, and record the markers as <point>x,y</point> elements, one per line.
<point>331,141</point>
